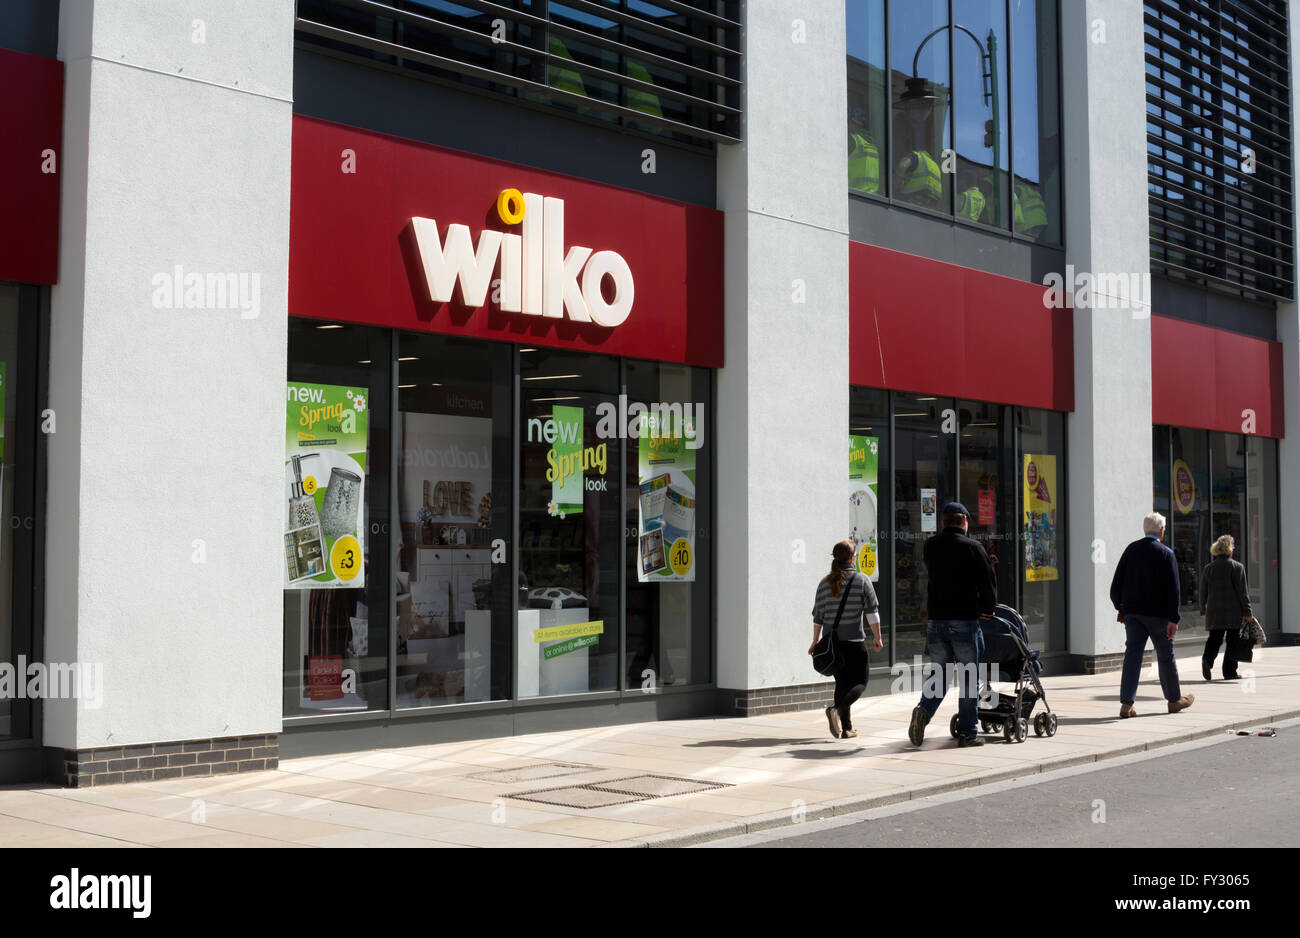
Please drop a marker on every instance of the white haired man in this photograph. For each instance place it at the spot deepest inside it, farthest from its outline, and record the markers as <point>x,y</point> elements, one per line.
<point>1145,593</point>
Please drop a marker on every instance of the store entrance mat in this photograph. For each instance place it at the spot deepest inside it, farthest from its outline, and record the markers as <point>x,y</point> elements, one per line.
<point>617,791</point>
<point>531,773</point>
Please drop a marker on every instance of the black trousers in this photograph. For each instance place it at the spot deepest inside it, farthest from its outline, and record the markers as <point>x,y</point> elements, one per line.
<point>850,678</point>
<point>1216,637</point>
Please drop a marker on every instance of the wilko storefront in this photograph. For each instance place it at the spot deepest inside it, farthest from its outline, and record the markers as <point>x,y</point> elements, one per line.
<point>498,477</point>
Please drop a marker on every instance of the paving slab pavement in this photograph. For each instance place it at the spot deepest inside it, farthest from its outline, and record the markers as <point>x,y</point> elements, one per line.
<point>752,774</point>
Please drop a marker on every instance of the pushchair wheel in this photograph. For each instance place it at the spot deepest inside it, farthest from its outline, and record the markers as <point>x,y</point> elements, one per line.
<point>1007,731</point>
<point>1040,724</point>
<point>1050,723</point>
<point>1015,731</point>
<point>984,725</point>
<point>952,726</point>
<point>1022,730</point>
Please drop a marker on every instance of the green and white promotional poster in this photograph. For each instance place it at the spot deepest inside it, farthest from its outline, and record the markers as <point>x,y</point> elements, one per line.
<point>565,461</point>
<point>864,475</point>
<point>666,506</point>
<point>324,473</point>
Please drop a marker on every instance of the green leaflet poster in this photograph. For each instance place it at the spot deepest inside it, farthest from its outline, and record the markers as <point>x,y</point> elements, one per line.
<point>666,445</point>
<point>864,476</point>
<point>565,461</point>
<point>325,472</point>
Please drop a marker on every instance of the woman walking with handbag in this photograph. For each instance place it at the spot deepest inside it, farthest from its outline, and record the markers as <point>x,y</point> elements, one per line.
<point>1225,606</point>
<point>844,597</point>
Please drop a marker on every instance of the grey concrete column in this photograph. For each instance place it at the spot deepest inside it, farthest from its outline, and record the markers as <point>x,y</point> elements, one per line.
<point>781,436</point>
<point>165,514</point>
<point>1109,433</point>
<point>1288,333</point>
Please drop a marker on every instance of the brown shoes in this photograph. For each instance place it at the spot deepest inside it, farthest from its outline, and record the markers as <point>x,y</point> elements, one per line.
<point>1182,703</point>
<point>1126,711</point>
<point>833,718</point>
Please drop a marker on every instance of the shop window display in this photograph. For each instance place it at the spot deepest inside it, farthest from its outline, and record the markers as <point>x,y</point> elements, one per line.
<point>454,509</point>
<point>1189,521</point>
<point>336,560</point>
<point>19,415</point>
<point>669,543</point>
<point>567,636</point>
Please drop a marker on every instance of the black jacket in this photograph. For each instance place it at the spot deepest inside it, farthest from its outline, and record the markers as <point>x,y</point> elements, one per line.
<point>1224,602</point>
<point>1146,581</point>
<point>962,585</point>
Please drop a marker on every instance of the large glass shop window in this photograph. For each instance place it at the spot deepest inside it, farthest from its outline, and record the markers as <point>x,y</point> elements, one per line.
<point>1260,535</point>
<point>19,419</point>
<point>868,503</point>
<point>1190,521</point>
<point>452,580</point>
<point>925,479</point>
<point>668,426</point>
<point>567,632</point>
<point>1041,471</point>
<point>336,522</point>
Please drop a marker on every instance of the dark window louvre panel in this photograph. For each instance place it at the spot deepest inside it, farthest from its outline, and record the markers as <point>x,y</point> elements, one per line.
<point>1218,81</point>
<point>689,49</point>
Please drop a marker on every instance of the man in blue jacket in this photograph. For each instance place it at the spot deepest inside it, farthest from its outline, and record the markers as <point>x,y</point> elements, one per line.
<point>1145,594</point>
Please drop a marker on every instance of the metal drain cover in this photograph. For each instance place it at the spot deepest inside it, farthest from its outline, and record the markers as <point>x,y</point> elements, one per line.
<point>531,773</point>
<point>658,786</point>
<point>577,796</point>
<point>617,791</point>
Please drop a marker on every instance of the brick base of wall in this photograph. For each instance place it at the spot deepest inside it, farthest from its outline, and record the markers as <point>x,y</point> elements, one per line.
<point>748,703</point>
<point>111,765</point>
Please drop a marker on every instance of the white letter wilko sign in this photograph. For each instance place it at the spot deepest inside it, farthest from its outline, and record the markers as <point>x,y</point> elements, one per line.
<point>538,278</point>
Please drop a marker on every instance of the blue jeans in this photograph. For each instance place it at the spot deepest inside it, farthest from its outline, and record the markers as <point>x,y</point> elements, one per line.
<point>954,642</point>
<point>1139,629</point>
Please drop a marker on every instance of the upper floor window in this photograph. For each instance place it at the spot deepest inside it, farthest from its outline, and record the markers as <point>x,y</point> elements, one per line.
<point>954,108</point>
<point>669,69</point>
<point>1219,144</point>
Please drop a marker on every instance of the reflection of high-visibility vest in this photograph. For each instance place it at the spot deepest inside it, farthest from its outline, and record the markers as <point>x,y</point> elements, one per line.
<point>924,177</point>
<point>1028,208</point>
<point>864,165</point>
<point>565,79</point>
<point>971,204</point>
<point>639,100</point>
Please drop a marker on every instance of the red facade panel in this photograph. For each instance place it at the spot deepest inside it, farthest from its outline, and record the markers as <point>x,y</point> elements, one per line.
<point>1214,379</point>
<point>353,254</point>
<point>31,113</point>
<point>922,325</point>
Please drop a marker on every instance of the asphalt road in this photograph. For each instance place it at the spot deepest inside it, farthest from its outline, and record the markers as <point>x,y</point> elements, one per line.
<point>1239,792</point>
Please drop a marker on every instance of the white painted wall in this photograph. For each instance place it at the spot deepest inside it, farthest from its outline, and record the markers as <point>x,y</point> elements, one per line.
<point>1109,433</point>
<point>169,427</point>
<point>1288,333</point>
<point>783,392</point>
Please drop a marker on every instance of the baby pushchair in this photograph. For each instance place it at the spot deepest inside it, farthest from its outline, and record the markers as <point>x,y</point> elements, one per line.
<point>1006,645</point>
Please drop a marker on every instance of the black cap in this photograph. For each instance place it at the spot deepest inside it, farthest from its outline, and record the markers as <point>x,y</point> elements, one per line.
<point>955,508</point>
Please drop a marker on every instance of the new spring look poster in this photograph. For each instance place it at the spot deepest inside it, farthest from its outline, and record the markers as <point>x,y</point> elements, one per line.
<point>864,476</point>
<point>324,486</point>
<point>666,503</point>
<point>1041,496</point>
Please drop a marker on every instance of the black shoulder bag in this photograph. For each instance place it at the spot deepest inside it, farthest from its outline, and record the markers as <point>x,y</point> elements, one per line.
<point>826,656</point>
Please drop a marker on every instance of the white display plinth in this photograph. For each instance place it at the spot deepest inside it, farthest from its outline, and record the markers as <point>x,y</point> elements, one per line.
<point>543,677</point>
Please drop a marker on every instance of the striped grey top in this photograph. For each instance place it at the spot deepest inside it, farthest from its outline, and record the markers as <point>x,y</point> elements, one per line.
<point>862,600</point>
